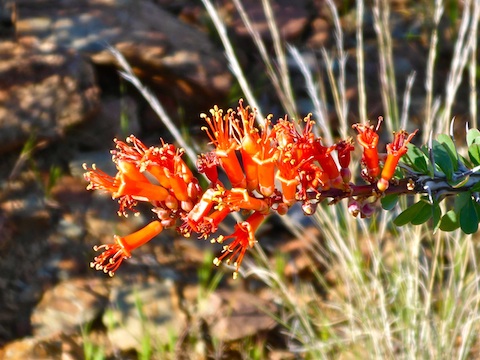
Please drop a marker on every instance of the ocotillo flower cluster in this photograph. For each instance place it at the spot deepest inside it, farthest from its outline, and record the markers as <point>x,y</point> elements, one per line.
<point>268,168</point>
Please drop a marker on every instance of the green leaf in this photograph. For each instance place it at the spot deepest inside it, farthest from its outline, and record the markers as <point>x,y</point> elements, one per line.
<point>389,201</point>
<point>474,154</point>
<point>461,201</point>
<point>449,221</point>
<point>409,213</point>
<point>449,145</point>
<point>475,187</point>
<point>469,218</point>
<point>442,159</point>
<point>473,136</point>
<point>437,216</point>
<point>416,159</point>
<point>423,215</point>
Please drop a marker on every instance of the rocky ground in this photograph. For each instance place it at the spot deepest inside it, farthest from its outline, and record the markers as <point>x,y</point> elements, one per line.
<point>61,104</point>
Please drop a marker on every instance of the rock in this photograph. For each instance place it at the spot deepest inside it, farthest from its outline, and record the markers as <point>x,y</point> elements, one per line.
<point>45,90</point>
<point>102,220</point>
<point>32,348</point>
<point>143,309</point>
<point>290,17</point>
<point>68,306</point>
<point>117,118</point>
<point>7,19</point>
<point>70,193</point>
<point>171,54</point>
<point>51,347</point>
<point>24,202</point>
<point>233,315</point>
<point>320,33</point>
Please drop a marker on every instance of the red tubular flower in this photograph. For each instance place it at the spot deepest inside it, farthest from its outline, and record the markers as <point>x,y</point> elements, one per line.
<point>133,153</point>
<point>169,160</point>
<point>288,173</point>
<point>287,176</point>
<point>344,149</point>
<point>207,164</point>
<point>395,150</point>
<point>200,210</point>
<point>249,141</point>
<point>158,173</point>
<point>289,189</point>
<point>238,199</point>
<point>285,133</point>
<point>243,238</point>
<point>368,138</point>
<point>266,159</point>
<point>134,183</point>
<point>297,153</point>
<point>113,254</point>
<point>164,163</point>
<point>99,180</point>
<point>136,152</point>
<point>323,156</point>
<point>299,145</point>
<point>209,224</point>
<point>312,177</point>
<point>219,132</point>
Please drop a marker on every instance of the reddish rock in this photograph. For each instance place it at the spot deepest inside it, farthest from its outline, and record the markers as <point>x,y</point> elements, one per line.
<point>43,91</point>
<point>68,306</point>
<point>164,51</point>
<point>291,18</point>
<point>233,315</point>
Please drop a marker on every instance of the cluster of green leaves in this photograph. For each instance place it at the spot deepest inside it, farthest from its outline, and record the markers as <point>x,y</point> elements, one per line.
<point>441,174</point>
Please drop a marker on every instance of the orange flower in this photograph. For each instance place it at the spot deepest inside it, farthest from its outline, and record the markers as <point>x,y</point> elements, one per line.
<point>287,176</point>
<point>128,186</point>
<point>207,164</point>
<point>285,133</point>
<point>299,145</point>
<point>249,141</point>
<point>113,254</point>
<point>209,224</point>
<point>328,164</point>
<point>297,153</point>
<point>135,152</point>
<point>395,150</point>
<point>312,177</point>
<point>243,238</point>
<point>133,183</point>
<point>266,159</point>
<point>168,160</point>
<point>199,211</point>
<point>288,173</point>
<point>368,138</point>
<point>133,158</point>
<point>219,132</point>
<point>164,163</point>
<point>344,149</point>
<point>99,180</point>
<point>238,199</point>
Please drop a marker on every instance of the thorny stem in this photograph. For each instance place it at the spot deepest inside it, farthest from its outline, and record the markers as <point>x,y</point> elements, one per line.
<point>404,186</point>
<point>416,184</point>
